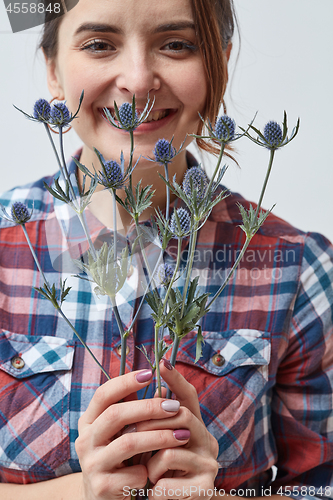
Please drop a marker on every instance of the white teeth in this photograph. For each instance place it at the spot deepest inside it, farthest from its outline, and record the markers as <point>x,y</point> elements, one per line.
<point>153,115</point>
<point>156,115</point>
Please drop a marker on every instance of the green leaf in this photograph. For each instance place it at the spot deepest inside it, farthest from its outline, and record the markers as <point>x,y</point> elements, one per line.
<point>200,342</point>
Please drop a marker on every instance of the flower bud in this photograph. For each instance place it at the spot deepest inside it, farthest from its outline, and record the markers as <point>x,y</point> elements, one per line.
<point>126,116</point>
<point>225,128</point>
<point>20,212</point>
<point>165,274</point>
<point>42,110</point>
<point>184,222</point>
<point>60,115</point>
<point>114,177</point>
<point>273,134</point>
<point>199,182</point>
<point>164,151</point>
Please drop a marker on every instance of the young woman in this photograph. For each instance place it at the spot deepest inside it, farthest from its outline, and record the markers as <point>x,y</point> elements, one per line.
<point>261,395</point>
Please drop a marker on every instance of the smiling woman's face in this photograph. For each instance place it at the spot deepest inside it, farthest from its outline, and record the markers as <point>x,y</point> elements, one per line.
<point>114,49</point>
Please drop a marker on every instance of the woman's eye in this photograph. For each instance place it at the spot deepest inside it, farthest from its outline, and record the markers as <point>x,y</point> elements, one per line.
<point>180,46</point>
<point>97,46</point>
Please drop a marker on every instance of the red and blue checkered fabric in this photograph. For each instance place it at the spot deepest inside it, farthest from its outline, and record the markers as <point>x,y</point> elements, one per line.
<point>269,403</point>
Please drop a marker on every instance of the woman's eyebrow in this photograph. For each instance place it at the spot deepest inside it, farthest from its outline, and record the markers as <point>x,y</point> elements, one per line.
<point>109,28</point>
<point>98,28</point>
<point>176,26</point>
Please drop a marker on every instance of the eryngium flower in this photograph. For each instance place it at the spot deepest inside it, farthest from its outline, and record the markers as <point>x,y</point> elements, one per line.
<point>112,176</point>
<point>273,134</point>
<point>184,226</point>
<point>165,274</point>
<point>199,180</point>
<point>42,110</point>
<point>224,128</point>
<point>20,213</point>
<point>164,151</point>
<point>126,118</point>
<point>60,115</point>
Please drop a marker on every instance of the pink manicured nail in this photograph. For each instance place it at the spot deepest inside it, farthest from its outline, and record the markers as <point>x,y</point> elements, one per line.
<point>170,405</point>
<point>130,428</point>
<point>144,376</point>
<point>167,364</point>
<point>182,434</point>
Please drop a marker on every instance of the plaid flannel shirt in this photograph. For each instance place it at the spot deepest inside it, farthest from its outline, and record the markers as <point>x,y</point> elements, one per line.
<point>267,398</point>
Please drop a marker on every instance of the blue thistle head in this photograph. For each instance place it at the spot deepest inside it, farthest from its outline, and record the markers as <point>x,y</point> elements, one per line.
<point>225,128</point>
<point>184,222</point>
<point>199,180</point>
<point>165,274</point>
<point>164,151</point>
<point>126,116</point>
<point>273,134</point>
<point>60,115</point>
<point>20,213</point>
<point>41,110</point>
<point>113,176</point>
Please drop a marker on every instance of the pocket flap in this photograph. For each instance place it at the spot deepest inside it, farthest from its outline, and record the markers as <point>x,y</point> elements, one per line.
<point>40,354</point>
<point>237,348</point>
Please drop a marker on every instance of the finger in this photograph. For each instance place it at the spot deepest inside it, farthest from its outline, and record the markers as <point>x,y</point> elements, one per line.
<point>183,419</point>
<point>113,391</point>
<point>131,444</point>
<point>181,488</point>
<point>181,460</point>
<point>119,415</point>
<point>163,391</point>
<point>183,390</point>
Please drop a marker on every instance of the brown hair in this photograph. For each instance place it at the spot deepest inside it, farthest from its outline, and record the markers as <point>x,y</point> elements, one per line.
<point>215,22</point>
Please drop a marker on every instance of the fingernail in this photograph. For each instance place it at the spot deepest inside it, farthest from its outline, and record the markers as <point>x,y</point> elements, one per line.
<point>130,428</point>
<point>167,364</point>
<point>182,434</point>
<point>170,405</point>
<point>144,376</point>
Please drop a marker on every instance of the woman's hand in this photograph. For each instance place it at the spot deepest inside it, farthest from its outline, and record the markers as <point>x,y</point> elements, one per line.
<point>180,472</point>
<point>104,444</point>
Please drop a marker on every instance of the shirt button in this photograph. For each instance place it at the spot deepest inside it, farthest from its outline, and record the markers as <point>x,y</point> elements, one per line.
<point>218,360</point>
<point>118,349</point>
<point>17,362</point>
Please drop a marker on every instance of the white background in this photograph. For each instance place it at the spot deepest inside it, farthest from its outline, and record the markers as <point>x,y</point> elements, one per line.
<point>285,63</point>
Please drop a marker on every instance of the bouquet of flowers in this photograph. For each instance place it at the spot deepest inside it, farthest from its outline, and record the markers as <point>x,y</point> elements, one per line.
<point>172,291</point>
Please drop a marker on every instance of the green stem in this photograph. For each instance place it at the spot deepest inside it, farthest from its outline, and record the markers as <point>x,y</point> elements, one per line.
<point>159,325</point>
<point>216,168</point>
<point>131,158</point>
<point>122,336</point>
<point>265,181</point>
<point>158,376</point>
<point>54,149</point>
<point>34,255</point>
<point>65,171</point>
<point>174,275</point>
<point>113,192</point>
<point>189,266</point>
<point>166,173</point>
<point>173,360</point>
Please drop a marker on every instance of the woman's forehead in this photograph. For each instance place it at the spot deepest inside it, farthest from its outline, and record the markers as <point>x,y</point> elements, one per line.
<point>128,13</point>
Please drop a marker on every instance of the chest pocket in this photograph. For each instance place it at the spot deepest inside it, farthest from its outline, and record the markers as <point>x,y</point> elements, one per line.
<point>35,381</point>
<point>231,379</point>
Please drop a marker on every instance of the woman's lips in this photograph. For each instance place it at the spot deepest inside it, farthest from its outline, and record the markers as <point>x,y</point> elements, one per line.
<point>156,118</point>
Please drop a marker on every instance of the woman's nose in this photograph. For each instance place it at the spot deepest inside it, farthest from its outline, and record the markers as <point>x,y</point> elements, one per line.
<point>138,74</point>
